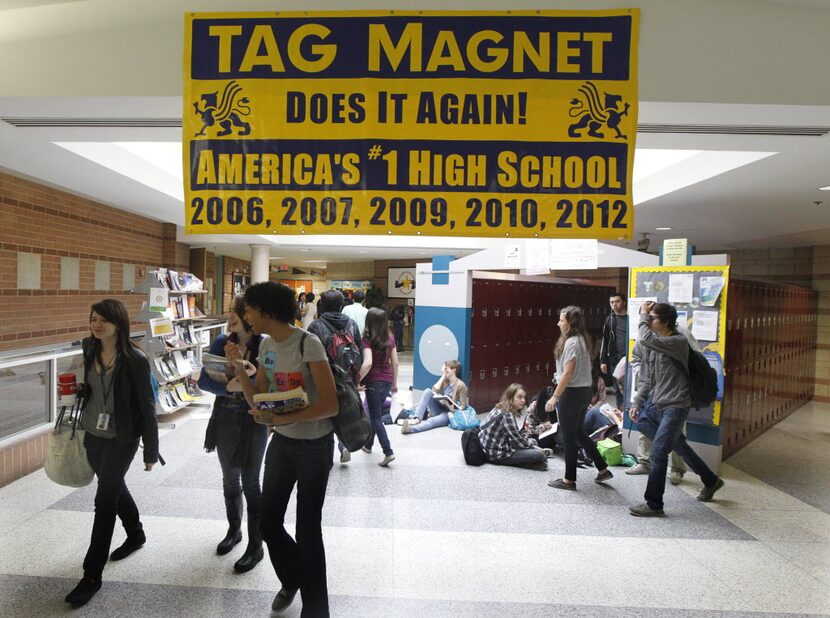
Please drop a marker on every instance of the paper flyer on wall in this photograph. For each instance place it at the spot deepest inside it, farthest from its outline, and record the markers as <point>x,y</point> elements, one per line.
<point>681,288</point>
<point>705,325</point>
<point>710,289</point>
<point>634,305</point>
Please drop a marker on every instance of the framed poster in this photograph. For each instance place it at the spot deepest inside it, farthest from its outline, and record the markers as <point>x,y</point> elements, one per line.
<point>401,282</point>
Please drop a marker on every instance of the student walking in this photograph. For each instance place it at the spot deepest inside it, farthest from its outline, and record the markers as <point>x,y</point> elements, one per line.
<point>119,411</point>
<point>379,373</point>
<point>301,448</point>
<point>239,441</point>
<point>661,405</point>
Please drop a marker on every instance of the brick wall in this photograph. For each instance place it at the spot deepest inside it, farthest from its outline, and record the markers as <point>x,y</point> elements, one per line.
<point>53,224</point>
<point>231,266</point>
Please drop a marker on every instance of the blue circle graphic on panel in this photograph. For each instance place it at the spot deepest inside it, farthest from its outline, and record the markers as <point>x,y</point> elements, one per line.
<point>437,345</point>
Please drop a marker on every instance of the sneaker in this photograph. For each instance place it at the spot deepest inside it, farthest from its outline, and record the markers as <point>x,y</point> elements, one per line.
<point>644,510</point>
<point>676,477</point>
<point>561,484</point>
<point>386,461</point>
<point>603,476</point>
<point>129,546</point>
<point>366,449</point>
<point>640,468</point>
<point>707,493</point>
<point>405,429</point>
<point>83,592</point>
<point>345,456</point>
<point>548,452</point>
<point>404,414</point>
<point>283,600</point>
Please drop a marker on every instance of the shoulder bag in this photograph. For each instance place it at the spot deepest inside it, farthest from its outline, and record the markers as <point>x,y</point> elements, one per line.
<point>66,462</point>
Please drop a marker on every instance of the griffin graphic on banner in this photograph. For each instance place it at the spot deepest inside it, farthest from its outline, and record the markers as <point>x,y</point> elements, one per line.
<point>227,113</point>
<point>597,113</point>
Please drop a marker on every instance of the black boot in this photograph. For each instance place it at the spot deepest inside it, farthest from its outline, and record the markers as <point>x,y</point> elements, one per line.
<point>233,508</point>
<point>254,552</point>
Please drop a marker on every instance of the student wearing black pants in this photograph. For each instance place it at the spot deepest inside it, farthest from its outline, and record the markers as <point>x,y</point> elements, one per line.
<point>118,411</point>
<point>572,396</point>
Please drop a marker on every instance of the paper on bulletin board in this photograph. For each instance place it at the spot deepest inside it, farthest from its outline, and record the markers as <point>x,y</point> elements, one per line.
<point>710,289</point>
<point>634,306</point>
<point>681,288</point>
<point>705,325</point>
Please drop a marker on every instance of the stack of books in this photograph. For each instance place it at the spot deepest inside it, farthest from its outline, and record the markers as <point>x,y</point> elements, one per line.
<point>282,402</point>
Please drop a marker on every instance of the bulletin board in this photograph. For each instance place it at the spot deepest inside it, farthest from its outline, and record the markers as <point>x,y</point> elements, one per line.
<point>699,293</point>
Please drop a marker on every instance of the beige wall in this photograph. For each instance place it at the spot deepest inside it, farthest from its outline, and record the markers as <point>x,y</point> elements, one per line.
<point>821,282</point>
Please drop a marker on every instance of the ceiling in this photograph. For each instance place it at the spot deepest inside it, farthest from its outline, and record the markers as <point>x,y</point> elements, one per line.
<point>95,74</point>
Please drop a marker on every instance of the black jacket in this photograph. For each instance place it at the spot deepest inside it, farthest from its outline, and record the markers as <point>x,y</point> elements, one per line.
<point>135,402</point>
<point>608,350</point>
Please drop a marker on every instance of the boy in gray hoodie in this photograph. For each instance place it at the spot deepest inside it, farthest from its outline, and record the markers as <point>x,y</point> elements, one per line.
<point>662,402</point>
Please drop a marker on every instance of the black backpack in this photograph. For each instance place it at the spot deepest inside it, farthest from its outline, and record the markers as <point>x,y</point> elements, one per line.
<point>703,380</point>
<point>471,447</point>
<point>343,351</point>
<point>351,424</point>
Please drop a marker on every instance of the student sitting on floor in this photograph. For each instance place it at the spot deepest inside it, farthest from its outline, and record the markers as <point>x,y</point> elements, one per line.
<point>501,439</point>
<point>538,421</point>
<point>447,394</point>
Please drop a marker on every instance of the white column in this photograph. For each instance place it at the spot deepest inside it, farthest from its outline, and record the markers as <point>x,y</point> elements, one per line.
<point>260,263</point>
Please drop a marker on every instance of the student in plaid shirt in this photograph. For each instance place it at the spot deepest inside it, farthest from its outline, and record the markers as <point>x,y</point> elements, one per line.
<point>501,439</point>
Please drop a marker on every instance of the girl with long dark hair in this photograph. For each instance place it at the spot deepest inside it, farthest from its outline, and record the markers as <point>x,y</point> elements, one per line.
<point>118,412</point>
<point>572,396</point>
<point>239,441</point>
<point>379,373</point>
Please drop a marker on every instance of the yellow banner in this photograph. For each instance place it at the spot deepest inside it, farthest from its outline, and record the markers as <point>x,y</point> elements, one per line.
<point>435,123</point>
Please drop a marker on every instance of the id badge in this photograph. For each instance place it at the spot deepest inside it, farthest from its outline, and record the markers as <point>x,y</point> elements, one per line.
<point>103,422</point>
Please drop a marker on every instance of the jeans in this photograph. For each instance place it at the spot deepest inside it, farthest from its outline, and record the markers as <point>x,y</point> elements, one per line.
<point>438,420</point>
<point>644,455</point>
<point>665,430</point>
<point>301,563</point>
<point>428,404</point>
<point>235,434</point>
<point>571,412</point>
<point>376,394</point>
<point>594,419</point>
<point>112,498</point>
<point>522,457</point>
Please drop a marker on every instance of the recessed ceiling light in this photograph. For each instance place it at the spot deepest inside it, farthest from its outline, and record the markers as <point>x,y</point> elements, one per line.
<point>276,258</point>
<point>827,188</point>
<point>363,251</point>
<point>304,250</point>
<point>662,229</point>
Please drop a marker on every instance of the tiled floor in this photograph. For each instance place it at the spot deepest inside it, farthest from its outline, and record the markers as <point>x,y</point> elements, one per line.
<point>432,537</point>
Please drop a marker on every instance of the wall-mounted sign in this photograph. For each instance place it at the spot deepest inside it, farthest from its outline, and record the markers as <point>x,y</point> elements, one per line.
<point>401,282</point>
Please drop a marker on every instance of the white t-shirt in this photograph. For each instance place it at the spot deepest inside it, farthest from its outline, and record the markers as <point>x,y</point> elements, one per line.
<point>310,312</point>
<point>358,314</point>
<point>286,370</point>
<point>575,348</point>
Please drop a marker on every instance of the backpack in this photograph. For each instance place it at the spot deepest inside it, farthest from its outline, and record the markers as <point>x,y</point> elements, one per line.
<point>703,380</point>
<point>471,447</point>
<point>351,425</point>
<point>343,351</point>
<point>464,419</point>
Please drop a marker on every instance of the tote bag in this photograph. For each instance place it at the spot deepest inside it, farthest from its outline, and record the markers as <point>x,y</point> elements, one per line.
<point>66,462</point>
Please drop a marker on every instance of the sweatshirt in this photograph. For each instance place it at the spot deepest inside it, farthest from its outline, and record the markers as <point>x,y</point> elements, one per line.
<point>664,369</point>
